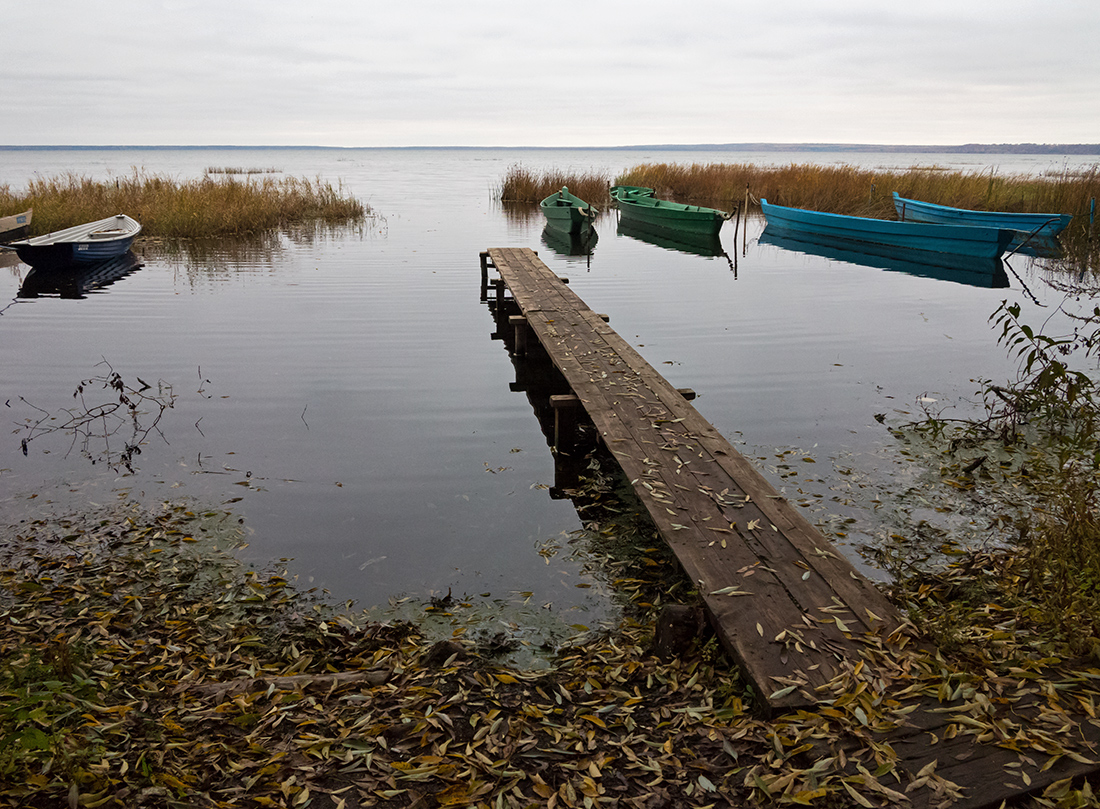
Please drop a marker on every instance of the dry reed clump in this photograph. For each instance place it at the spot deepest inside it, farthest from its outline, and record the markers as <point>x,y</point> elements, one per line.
<point>523,185</point>
<point>194,208</point>
<point>858,191</point>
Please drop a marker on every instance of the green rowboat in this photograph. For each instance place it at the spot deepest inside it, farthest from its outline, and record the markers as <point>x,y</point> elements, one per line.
<point>567,212</point>
<point>638,205</point>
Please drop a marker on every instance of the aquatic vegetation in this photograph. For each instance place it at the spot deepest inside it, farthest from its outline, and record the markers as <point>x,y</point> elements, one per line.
<point>165,207</point>
<point>110,421</point>
<point>524,185</point>
<point>858,191</point>
<point>1034,446</point>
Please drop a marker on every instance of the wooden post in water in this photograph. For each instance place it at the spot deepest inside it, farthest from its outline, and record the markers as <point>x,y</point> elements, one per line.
<point>566,409</point>
<point>485,276</point>
<point>519,324</point>
<point>745,238</point>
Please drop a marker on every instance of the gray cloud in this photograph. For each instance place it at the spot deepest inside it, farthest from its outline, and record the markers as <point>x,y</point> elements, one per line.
<point>490,72</point>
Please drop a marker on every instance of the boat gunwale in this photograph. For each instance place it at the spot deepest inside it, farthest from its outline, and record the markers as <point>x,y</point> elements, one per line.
<point>129,229</point>
<point>1024,221</point>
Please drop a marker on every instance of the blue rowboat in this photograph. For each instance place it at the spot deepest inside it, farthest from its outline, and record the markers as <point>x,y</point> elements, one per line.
<point>567,212</point>
<point>1040,224</point>
<point>83,244</point>
<point>963,240</point>
<point>638,205</point>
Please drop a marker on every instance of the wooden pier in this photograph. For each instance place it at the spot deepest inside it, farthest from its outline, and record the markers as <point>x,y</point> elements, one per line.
<point>784,603</point>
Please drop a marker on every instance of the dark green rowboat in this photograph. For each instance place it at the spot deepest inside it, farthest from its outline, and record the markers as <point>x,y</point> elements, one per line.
<point>567,212</point>
<point>641,207</point>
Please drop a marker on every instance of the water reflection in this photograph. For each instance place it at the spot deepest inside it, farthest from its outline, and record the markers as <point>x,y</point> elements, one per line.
<point>521,213</point>
<point>1036,246</point>
<point>225,254</point>
<point>975,272</point>
<point>542,382</point>
<point>699,244</point>
<point>77,281</point>
<point>217,256</point>
<point>570,244</point>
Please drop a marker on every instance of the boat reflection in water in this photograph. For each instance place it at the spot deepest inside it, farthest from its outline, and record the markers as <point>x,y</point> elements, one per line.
<point>77,280</point>
<point>977,272</point>
<point>1040,246</point>
<point>581,243</point>
<point>698,244</point>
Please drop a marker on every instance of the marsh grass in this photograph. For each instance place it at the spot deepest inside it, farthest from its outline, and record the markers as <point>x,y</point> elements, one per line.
<point>856,191</point>
<point>526,186</point>
<point>184,209</point>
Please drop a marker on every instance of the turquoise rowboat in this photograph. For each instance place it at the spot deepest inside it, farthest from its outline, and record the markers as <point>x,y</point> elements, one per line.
<point>567,212</point>
<point>638,205</point>
<point>962,240</point>
<point>1038,224</point>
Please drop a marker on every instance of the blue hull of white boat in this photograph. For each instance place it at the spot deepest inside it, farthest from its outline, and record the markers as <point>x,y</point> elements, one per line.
<point>962,240</point>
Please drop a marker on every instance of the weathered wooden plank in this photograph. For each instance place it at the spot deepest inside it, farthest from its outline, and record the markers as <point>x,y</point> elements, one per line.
<point>785,604</point>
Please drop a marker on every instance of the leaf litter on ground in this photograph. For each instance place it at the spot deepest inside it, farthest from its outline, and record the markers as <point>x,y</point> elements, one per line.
<point>144,665</point>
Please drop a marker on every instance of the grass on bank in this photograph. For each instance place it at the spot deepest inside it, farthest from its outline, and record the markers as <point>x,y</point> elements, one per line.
<point>196,208</point>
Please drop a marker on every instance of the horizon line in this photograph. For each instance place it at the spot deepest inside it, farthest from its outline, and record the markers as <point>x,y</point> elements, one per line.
<point>1003,148</point>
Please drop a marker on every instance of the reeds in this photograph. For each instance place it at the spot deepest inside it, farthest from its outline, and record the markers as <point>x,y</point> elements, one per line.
<point>188,209</point>
<point>523,185</point>
<point>857,191</point>
<point>844,188</point>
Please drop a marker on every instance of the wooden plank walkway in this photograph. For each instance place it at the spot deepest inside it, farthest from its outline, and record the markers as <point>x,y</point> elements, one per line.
<point>802,607</point>
<point>785,604</point>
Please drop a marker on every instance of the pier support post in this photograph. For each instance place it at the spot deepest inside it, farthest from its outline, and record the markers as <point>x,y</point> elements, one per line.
<point>499,288</point>
<point>567,408</point>
<point>484,276</point>
<point>519,324</point>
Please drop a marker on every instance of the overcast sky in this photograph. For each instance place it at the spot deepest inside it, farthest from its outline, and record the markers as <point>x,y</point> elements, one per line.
<point>564,73</point>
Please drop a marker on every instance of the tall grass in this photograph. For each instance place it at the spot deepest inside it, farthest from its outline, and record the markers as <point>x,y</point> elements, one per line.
<point>189,209</point>
<point>523,185</point>
<point>859,191</point>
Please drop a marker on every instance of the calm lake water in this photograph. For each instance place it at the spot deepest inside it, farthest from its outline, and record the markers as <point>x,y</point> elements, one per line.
<point>342,394</point>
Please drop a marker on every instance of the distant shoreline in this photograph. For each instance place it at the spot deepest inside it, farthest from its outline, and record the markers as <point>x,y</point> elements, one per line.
<point>966,148</point>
